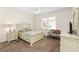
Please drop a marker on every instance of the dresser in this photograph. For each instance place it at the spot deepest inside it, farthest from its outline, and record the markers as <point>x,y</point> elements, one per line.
<point>69,43</point>
<point>12,36</point>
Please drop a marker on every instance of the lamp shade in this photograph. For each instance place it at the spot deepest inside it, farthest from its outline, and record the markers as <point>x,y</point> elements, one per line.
<point>9,27</point>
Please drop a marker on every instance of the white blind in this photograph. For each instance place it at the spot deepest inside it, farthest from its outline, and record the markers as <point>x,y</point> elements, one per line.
<point>49,23</point>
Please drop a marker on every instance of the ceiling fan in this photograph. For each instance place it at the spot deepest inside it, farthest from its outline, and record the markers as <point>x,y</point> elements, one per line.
<point>37,10</point>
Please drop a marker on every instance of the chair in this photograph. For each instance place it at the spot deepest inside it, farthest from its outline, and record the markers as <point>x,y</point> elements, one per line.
<point>54,34</point>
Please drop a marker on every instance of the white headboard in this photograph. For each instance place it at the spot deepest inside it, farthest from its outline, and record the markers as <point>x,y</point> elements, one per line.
<point>22,26</point>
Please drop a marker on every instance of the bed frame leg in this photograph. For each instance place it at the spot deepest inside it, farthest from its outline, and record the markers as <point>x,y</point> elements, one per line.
<point>31,44</point>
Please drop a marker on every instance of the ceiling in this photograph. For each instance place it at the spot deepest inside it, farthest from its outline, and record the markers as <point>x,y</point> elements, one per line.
<point>32,10</point>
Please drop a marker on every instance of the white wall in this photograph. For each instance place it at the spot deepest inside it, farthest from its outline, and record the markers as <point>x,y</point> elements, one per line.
<point>62,19</point>
<point>11,16</point>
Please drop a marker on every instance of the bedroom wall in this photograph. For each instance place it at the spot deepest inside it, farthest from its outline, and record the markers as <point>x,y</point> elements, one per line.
<point>62,19</point>
<point>11,16</point>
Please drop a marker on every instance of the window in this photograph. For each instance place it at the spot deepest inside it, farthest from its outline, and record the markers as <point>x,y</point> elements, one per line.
<point>49,23</point>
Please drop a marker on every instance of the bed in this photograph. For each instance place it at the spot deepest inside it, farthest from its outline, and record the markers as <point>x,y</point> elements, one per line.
<point>28,35</point>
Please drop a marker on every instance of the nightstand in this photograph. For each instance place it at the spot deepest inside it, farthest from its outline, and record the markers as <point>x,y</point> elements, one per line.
<point>12,36</point>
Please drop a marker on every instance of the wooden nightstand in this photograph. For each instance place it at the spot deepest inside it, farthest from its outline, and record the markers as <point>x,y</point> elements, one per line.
<point>12,36</point>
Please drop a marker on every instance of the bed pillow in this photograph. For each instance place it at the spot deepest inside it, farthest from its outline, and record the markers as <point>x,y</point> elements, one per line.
<point>23,30</point>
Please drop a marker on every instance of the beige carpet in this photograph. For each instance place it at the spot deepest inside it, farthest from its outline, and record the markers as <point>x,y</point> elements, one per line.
<point>44,45</point>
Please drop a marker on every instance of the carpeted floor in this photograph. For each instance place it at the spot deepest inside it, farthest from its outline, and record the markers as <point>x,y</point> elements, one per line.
<point>44,45</point>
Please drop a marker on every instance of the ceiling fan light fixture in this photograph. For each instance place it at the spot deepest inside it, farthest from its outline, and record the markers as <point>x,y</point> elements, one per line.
<point>37,11</point>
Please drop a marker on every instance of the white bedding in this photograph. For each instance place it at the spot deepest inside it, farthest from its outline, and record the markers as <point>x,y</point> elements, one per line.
<point>31,33</point>
<point>30,36</point>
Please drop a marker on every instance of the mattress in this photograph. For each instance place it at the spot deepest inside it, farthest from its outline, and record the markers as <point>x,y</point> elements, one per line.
<point>30,33</point>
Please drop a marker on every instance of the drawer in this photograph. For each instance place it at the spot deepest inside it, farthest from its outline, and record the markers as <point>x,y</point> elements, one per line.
<point>12,34</point>
<point>15,35</point>
<point>12,39</point>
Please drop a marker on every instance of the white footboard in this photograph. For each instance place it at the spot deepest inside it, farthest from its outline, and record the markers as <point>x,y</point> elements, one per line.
<point>33,38</point>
